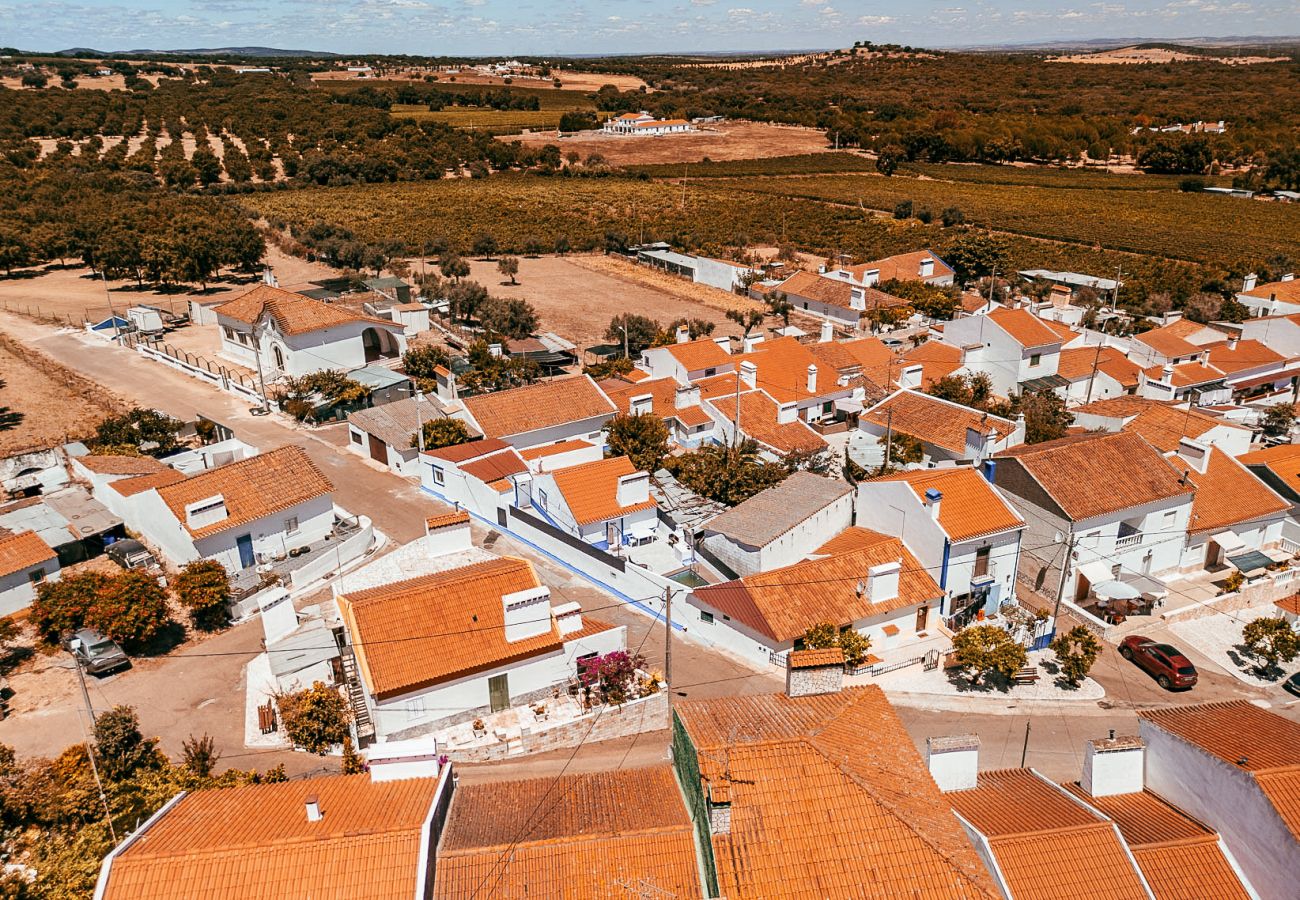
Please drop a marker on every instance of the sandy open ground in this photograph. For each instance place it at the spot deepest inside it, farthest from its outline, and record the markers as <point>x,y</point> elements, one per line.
<point>569,81</point>
<point>1133,55</point>
<point>723,141</point>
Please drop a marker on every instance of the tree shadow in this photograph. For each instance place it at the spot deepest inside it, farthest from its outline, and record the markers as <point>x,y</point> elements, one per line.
<point>991,682</point>
<point>1243,659</point>
<point>13,657</point>
<point>169,637</point>
<point>21,275</point>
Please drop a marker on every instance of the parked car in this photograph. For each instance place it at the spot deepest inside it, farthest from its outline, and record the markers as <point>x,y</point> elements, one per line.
<point>891,343</point>
<point>96,653</point>
<point>1163,661</point>
<point>131,554</point>
<point>1292,684</point>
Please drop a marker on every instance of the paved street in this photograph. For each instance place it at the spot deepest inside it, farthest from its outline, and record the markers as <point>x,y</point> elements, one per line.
<point>199,688</point>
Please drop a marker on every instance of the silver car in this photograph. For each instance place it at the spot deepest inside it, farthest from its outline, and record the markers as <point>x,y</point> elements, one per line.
<point>96,653</point>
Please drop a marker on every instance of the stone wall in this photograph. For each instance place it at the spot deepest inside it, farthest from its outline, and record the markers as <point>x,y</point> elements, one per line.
<point>808,680</point>
<point>1276,586</point>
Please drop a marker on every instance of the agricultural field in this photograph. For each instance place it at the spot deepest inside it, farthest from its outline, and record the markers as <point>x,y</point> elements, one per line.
<point>732,140</point>
<point>1051,176</point>
<point>478,118</point>
<point>1195,227</point>
<point>802,164</point>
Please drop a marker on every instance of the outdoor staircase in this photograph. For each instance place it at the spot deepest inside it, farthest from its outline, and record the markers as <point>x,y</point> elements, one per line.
<point>357,697</point>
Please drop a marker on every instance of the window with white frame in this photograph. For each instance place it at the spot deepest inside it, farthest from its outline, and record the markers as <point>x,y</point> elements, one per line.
<point>415,707</point>
<point>291,525</point>
<point>438,477</point>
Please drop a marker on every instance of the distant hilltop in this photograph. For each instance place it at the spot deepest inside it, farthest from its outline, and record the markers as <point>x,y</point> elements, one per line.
<point>211,51</point>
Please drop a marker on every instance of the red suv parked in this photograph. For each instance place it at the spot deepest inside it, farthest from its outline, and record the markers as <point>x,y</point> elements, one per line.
<point>1170,668</point>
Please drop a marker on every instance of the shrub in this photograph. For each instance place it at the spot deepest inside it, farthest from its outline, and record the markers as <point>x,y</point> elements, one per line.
<point>62,606</point>
<point>315,718</point>
<point>611,676</point>
<point>1076,650</point>
<point>903,209</point>
<point>1271,640</point>
<point>984,649</point>
<point>200,755</point>
<point>641,438</point>
<point>442,433</point>
<point>131,609</point>
<point>203,587</point>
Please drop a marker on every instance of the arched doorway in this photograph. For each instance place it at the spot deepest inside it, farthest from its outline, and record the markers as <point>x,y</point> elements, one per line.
<point>279,357</point>
<point>370,342</point>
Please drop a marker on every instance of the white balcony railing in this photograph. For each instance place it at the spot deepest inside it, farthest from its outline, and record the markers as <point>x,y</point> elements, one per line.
<point>1128,540</point>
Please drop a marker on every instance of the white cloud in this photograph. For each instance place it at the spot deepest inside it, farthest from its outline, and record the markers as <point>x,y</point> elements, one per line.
<point>875,20</point>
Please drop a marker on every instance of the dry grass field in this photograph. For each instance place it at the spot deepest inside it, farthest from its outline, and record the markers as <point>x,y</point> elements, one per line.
<point>724,141</point>
<point>569,81</point>
<point>1139,55</point>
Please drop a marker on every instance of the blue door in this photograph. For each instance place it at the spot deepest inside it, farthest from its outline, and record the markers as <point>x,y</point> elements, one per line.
<point>245,544</point>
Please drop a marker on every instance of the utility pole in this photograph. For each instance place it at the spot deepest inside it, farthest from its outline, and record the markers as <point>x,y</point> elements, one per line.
<point>1114,297</point>
<point>1024,751</point>
<point>889,436</point>
<point>1060,586</point>
<point>419,419</point>
<point>1096,361</point>
<point>623,328</point>
<point>261,381</point>
<point>993,280</point>
<point>668,651</point>
<point>735,437</point>
<point>90,750</point>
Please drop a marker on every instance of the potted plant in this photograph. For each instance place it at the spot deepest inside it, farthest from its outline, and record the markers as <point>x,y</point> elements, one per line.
<point>539,710</point>
<point>480,728</point>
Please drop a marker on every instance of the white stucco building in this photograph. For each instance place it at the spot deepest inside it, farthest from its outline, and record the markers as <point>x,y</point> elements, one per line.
<point>605,503</point>
<point>26,562</point>
<point>1012,346</point>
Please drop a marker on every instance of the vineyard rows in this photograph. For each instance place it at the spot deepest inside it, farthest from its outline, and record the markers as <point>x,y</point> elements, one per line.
<point>1050,177</point>
<point>803,164</point>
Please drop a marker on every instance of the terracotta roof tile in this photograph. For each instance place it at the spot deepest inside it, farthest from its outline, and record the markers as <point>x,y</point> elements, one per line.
<point>416,633</point>
<point>121,465</point>
<point>758,420</point>
<point>591,489</point>
<point>1247,354</point>
<point>442,520</point>
<point>536,406</point>
<point>1233,730</point>
<point>902,266</point>
<point>935,421</point>
<point>1197,871</point>
<point>293,313</point>
<point>1285,291</point>
<point>1185,374</point>
<point>546,450</point>
<point>1168,342</point>
<point>1076,364</point>
<point>834,292</point>
<point>254,841</point>
<point>782,365</point>
<point>937,359</point>
<point>970,508</point>
<point>1283,461</point>
<point>1143,818</point>
<point>1016,801</point>
<point>252,488</point>
<point>828,797</point>
<point>138,484</point>
<point>1024,327</point>
<point>1289,604</point>
<point>1163,425</point>
<point>23,550</point>
<point>495,466</point>
<point>697,355</point>
<point>458,453</point>
<point>805,659</point>
<point>663,402</point>
<point>1227,494</point>
<point>855,537</point>
<point>784,603</point>
<point>1282,788</point>
<point>1098,474</point>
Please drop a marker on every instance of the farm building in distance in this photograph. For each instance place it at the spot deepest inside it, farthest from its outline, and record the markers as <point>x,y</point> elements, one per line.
<point>644,123</point>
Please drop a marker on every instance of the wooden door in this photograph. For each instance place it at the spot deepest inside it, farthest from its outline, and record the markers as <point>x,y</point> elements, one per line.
<point>499,692</point>
<point>922,616</point>
<point>378,450</point>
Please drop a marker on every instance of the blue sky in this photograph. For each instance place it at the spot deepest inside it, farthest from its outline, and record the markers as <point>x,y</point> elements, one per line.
<point>438,27</point>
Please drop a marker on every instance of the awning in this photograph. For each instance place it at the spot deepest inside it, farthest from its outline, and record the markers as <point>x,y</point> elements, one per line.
<point>848,405</point>
<point>1230,541</point>
<point>1115,589</point>
<point>1096,572</point>
<point>1047,382</point>
<point>1250,562</point>
<point>1265,379</point>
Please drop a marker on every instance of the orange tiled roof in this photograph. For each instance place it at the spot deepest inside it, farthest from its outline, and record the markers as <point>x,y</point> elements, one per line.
<point>533,453</point>
<point>293,313</point>
<point>827,656</point>
<point>1185,374</point>
<point>442,520</point>
<point>1289,604</point>
<point>970,508</point>
<point>782,366</point>
<point>1025,328</point>
<point>254,841</point>
<point>663,402</point>
<point>700,354</point>
<point>458,453</point>
<point>138,484</point>
<point>784,603</point>
<point>901,267</point>
<point>1190,871</point>
<point>495,466</point>
<point>591,489</point>
<point>1233,730</point>
<point>1285,291</point>
<point>1048,846</point>
<point>935,421</point>
<point>536,406</point>
<point>422,631</point>
<point>252,488</point>
<point>828,797</point>
<point>23,550</point>
<point>1097,474</point>
<point>1076,364</point>
<point>581,835</point>
<point>834,292</point>
<point>758,414</point>
<point>1143,818</point>
<point>937,359</point>
<point>1163,425</point>
<point>1227,494</point>
<point>1282,788</point>
<point>1283,461</point>
<point>121,465</point>
<point>1168,342</point>
<point>1247,354</point>
<point>855,537</point>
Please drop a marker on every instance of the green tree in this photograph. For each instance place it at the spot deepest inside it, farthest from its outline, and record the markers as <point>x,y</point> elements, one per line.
<point>1046,417</point>
<point>641,438</point>
<point>747,319</point>
<point>1233,310</point>
<point>641,332</point>
<point>442,433</point>
<point>145,430</point>
<point>452,266</point>
<point>63,606</point>
<point>780,306</point>
<point>1076,650</point>
<point>420,363</point>
<point>485,245</point>
<point>351,764</point>
<point>975,254</point>
<point>315,718</point>
<point>888,158</point>
<point>203,588</point>
<point>932,300</point>
<point>1271,640</point>
<point>514,317</point>
<point>509,267</point>
<point>695,328</point>
<point>1278,419</point>
<point>132,609</point>
<point>121,749</point>
<point>199,755</point>
<point>730,474</point>
<point>852,642</point>
<point>982,650</point>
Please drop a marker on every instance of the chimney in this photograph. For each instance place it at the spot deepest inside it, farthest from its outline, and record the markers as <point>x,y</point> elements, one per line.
<point>882,582</point>
<point>749,374</point>
<point>870,277</point>
<point>207,511</point>
<point>857,299</point>
<point>933,500</point>
<point>1167,373</point>
<point>927,267</point>
<point>1248,283</point>
<point>812,672</point>
<point>683,334</point>
<point>1113,765</point>
<point>313,809</point>
<point>909,379</point>
<point>568,616</point>
<point>787,413</point>
<point>749,342</point>
<point>828,333</point>
<point>812,378</point>
<point>633,489</point>
<point>687,395</point>
<point>494,350</point>
<point>1195,453</point>
<point>641,404</point>
<point>724,343</point>
<point>990,471</point>
<point>954,761</point>
<point>1289,276</point>
<point>446,384</point>
<point>527,613</point>
<point>268,277</point>
<point>1232,341</point>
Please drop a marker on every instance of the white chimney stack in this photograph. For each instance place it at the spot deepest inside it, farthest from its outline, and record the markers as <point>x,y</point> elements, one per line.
<point>954,761</point>
<point>749,342</point>
<point>812,378</point>
<point>313,809</point>
<point>527,613</point>
<point>568,616</point>
<point>787,413</point>
<point>683,334</point>
<point>749,374</point>
<point>927,268</point>
<point>882,581</point>
<point>933,500</point>
<point>687,395</point>
<point>1195,453</point>
<point>1113,765</point>
<point>828,333</point>
<point>910,378</point>
<point>1248,283</point>
<point>633,489</point>
<point>1289,276</point>
<point>1167,373</point>
<point>1232,341</point>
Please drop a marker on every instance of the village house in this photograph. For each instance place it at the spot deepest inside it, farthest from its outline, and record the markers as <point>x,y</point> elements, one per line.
<point>605,503</point>
<point>332,837</point>
<point>1187,382</point>
<point>69,520</point>
<point>1163,425</point>
<point>1276,298</point>
<point>861,579</point>
<point>1178,340</point>
<point>643,123</point>
<point>947,431</point>
<point>719,273</point>
<point>280,333</point>
<point>388,434</point>
<point>776,527</point>
<point>1071,282</point>
<point>1015,348</point>
<point>919,265</point>
<point>480,475</point>
<point>677,404</point>
<point>1236,768</point>
<point>588,835</point>
<point>842,302</point>
<point>543,413</point>
<point>686,360</point>
<point>816,793</point>
<point>1279,333</point>
<point>959,526</point>
<point>462,642</point>
<point>1095,373</point>
<point>26,562</point>
<point>1116,505</point>
<point>776,428</point>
